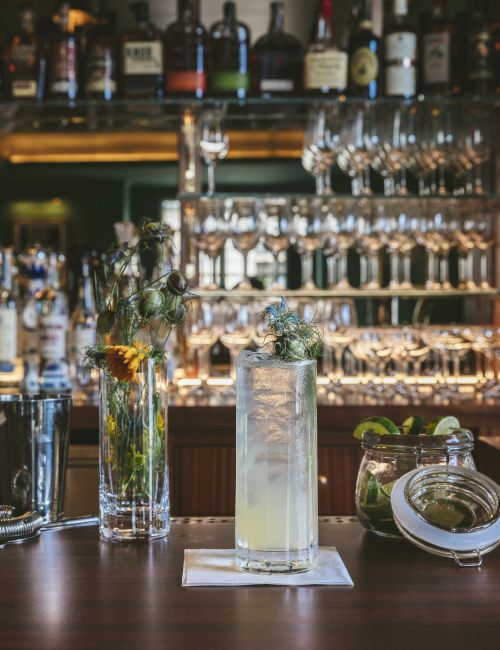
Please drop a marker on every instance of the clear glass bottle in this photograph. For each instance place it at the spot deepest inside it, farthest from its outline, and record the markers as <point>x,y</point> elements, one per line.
<point>276,464</point>
<point>277,59</point>
<point>325,64</point>
<point>23,59</point>
<point>230,51</point>
<point>35,262</point>
<point>52,305</point>
<point>388,457</point>
<point>8,314</point>
<point>186,53</point>
<point>141,57</point>
<point>83,335</point>
<point>400,53</point>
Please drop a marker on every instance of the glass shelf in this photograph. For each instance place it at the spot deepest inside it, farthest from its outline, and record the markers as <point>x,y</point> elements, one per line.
<point>486,197</point>
<point>319,294</point>
<point>154,115</point>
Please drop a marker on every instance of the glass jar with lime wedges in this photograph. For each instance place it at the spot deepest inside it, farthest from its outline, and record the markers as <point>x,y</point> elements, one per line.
<point>392,451</point>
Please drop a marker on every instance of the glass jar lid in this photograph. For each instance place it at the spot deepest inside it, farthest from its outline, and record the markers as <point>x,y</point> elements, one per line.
<point>449,511</point>
<point>457,440</point>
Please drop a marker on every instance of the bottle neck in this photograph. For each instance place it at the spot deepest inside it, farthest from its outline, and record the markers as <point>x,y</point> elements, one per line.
<point>86,291</point>
<point>277,24</point>
<point>188,11</point>
<point>400,7</point>
<point>229,12</point>
<point>324,22</point>
<point>6,272</point>
<point>53,275</point>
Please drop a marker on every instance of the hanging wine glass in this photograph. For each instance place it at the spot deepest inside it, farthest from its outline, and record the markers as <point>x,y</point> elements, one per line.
<point>245,232</point>
<point>310,230</point>
<point>209,232</point>
<point>213,144</point>
<point>321,145</point>
<point>276,230</point>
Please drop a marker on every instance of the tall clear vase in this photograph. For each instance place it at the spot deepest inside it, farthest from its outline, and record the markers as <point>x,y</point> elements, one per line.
<point>133,483</point>
<point>276,465</point>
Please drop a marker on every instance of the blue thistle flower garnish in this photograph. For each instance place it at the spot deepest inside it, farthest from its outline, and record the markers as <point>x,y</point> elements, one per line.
<point>293,338</point>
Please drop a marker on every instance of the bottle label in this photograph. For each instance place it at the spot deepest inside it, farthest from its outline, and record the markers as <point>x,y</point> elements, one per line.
<point>63,67</point>
<point>8,334</point>
<point>326,69</point>
<point>364,66</point>
<point>24,89</point>
<point>228,81</point>
<point>143,58</point>
<point>481,55</point>
<point>24,57</point>
<point>437,58</point>
<point>400,80</point>
<point>401,46</point>
<point>188,81</point>
<point>277,85</point>
<point>53,336</point>
<point>83,337</point>
<point>100,70</point>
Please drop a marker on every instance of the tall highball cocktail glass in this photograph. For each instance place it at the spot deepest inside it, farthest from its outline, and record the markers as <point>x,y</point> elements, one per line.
<point>276,464</point>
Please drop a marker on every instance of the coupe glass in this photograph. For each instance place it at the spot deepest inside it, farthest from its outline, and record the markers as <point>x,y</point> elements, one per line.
<point>214,143</point>
<point>276,229</point>
<point>245,231</point>
<point>209,231</point>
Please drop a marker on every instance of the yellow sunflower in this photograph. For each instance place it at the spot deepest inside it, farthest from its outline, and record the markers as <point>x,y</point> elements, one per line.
<point>123,361</point>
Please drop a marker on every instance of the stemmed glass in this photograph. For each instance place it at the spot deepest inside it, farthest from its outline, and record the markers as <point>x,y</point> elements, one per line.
<point>358,141</point>
<point>245,231</point>
<point>476,138</point>
<point>202,330</point>
<point>236,334</point>
<point>310,230</point>
<point>214,143</point>
<point>342,228</point>
<point>393,152</point>
<point>321,144</point>
<point>339,319</point>
<point>209,231</point>
<point>276,229</point>
<point>369,242</point>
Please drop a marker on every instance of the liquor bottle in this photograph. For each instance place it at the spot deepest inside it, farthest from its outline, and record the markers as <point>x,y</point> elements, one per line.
<point>325,64</point>
<point>141,57</point>
<point>364,52</point>
<point>186,53</point>
<point>23,58</point>
<point>52,305</point>
<point>35,262</point>
<point>438,52</point>
<point>400,53</point>
<point>83,335</point>
<point>480,65</point>
<point>62,63</point>
<point>100,60</point>
<point>8,314</point>
<point>277,59</point>
<point>230,46</point>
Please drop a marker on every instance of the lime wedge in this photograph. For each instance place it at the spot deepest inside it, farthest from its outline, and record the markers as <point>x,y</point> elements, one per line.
<point>380,425</point>
<point>387,489</point>
<point>443,425</point>
<point>447,514</point>
<point>413,425</point>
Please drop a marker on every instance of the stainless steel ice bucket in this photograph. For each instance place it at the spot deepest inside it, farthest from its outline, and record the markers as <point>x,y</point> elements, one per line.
<point>34,437</point>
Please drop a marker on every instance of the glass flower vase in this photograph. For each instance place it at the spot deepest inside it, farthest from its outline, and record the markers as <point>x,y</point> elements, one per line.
<point>133,469</point>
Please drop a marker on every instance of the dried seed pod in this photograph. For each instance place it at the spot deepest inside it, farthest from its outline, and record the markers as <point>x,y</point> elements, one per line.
<point>177,283</point>
<point>151,302</point>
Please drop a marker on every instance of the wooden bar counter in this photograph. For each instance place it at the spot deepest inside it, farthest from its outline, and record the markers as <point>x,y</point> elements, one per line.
<point>70,591</point>
<point>202,453</point>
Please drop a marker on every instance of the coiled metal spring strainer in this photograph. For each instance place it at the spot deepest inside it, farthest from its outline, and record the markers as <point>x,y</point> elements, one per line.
<point>16,529</point>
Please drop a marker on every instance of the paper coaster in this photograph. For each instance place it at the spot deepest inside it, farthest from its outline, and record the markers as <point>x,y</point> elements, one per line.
<point>207,567</point>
